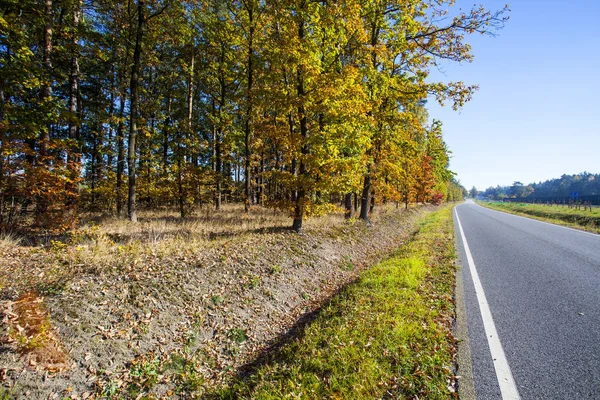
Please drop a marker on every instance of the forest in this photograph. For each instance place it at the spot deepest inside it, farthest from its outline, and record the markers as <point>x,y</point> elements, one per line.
<point>580,185</point>
<point>303,106</point>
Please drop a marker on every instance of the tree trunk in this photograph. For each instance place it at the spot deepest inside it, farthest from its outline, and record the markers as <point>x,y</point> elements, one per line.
<point>41,202</point>
<point>167,123</point>
<point>304,150</point>
<point>180,157</point>
<point>220,133</point>
<point>190,93</point>
<point>110,156</point>
<point>148,156</point>
<point>348,205</point>
<point>180,181</point>
<point>93,171</point>
<point>2,144</point>
<point>372,206</point>
<point>261,182</point>
<point>120,154</point>
<point>74,89</point>
<point>248,127</point>
<point>74,153</point>
<point>364,201</point>
<point>218,169</point>
<point>131,152</point>
<point>46,90</point>
<point>110,152</point>
<point>294,166</point>
<point>121,125</point>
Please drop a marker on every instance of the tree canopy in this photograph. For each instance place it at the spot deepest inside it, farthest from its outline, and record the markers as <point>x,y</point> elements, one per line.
<point>294,104</point>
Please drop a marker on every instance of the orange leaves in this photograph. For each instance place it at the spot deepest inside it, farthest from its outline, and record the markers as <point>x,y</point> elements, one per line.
<point>48,183</point>
<point>29,329</point>
<point>53,190</point>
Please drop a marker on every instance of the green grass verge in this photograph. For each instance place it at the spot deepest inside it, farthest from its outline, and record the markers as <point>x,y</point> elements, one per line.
<point>389,334</point>
<point>560,215</point>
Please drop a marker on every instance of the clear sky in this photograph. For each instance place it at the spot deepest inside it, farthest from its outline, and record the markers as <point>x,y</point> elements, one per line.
<point>536,115</point>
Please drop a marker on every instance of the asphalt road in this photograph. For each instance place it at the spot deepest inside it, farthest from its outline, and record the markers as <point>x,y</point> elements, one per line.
<point>542,285</point>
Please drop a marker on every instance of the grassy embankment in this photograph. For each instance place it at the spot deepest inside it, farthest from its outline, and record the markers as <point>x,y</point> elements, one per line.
<point>172,307</point>
<point>561,215</point>
<point>389,334</point>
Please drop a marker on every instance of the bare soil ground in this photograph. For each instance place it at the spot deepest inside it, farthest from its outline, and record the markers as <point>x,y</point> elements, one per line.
<point>167,308</point>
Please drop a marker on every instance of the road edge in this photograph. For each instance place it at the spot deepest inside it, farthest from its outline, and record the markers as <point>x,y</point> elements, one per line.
<point>466,383</point>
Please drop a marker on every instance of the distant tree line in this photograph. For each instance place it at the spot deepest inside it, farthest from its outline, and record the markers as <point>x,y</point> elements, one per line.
<point>301,105</point>
<point>567,186</point>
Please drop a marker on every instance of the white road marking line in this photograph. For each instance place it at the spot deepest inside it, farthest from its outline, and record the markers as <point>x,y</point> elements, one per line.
<point>597,236</point>
<point>508,388</point>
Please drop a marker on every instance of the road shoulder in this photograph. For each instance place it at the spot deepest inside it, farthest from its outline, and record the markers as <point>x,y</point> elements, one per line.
<point>466,385</point>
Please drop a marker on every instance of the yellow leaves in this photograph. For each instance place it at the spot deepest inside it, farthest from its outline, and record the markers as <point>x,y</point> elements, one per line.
<point>318,209</point>
<point>457,92</point>
<point>3,23</point>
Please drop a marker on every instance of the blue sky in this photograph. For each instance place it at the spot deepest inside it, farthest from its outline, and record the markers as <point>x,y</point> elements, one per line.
<point>536,115</point>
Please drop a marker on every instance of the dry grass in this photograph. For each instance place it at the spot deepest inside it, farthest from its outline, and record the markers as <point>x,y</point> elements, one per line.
<point>207,224</point>
<point>116,243</point>
<point>106,245</point>
<point>9,241</point>
<point>109,245</point>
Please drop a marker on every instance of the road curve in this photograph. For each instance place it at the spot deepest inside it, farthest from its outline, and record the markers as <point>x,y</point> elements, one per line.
<point>542,285</point>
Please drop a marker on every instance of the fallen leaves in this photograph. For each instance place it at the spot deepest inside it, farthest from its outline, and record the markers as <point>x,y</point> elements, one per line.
<point>29,330</point>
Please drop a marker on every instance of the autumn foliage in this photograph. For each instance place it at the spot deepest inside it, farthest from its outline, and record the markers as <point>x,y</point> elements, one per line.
<point>29,330</point>
<point>291,104</point>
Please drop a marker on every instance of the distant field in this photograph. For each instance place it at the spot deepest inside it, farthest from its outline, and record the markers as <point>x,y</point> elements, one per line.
<point>562,215</point>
